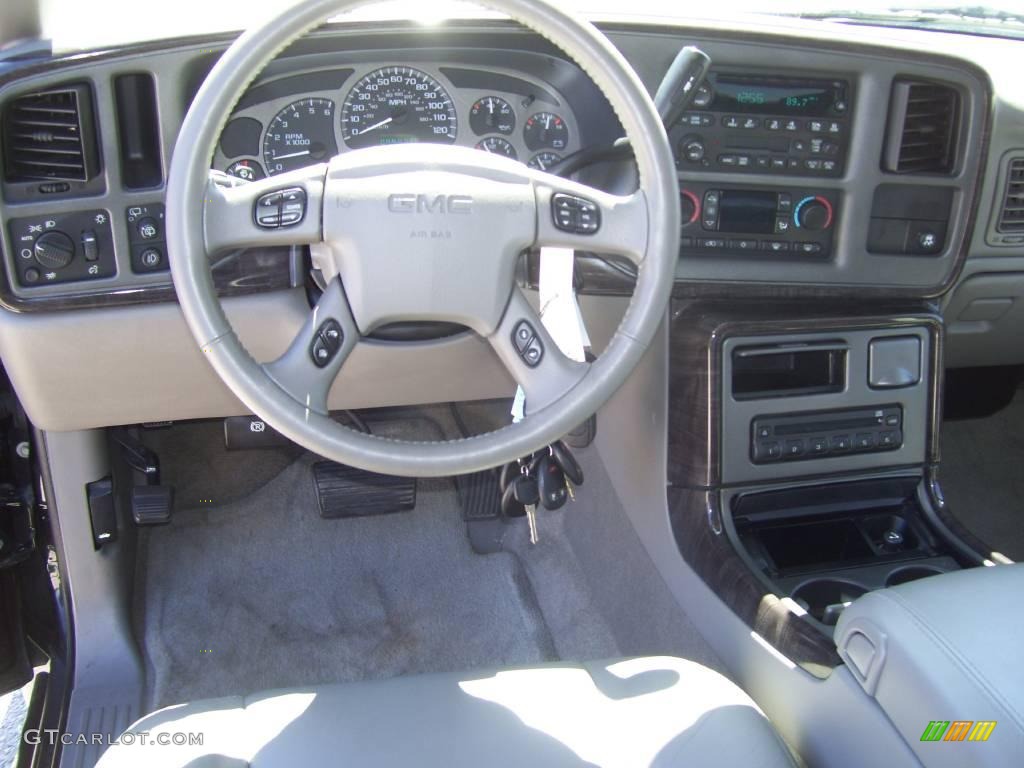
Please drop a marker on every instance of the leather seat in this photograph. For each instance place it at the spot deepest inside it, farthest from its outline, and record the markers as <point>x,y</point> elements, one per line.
<point>646,711</point>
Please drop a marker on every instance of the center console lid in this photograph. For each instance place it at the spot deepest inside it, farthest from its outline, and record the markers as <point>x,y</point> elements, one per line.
<point>942,657</point>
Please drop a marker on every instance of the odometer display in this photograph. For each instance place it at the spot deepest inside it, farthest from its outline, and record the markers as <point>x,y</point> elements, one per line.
<point>397,105</point>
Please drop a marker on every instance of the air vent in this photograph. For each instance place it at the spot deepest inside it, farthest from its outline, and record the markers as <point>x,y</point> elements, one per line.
<point>50,136</point>
<point>922,132</point>
<point>1011,218</point>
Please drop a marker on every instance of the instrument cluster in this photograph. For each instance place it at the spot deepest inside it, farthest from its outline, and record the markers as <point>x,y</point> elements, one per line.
<point>399,104</point>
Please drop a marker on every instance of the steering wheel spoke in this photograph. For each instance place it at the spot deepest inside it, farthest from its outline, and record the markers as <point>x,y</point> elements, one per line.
<point>309,366</point>
<point>281,210</point>
<point>573,215</point>
<point>532,356</point>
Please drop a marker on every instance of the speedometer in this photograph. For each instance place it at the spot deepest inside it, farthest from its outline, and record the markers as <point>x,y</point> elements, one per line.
<point>397,105</point>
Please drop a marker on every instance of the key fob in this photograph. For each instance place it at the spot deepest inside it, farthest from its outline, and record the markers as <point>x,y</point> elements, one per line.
<point>567,462</point>
<point>509,506</point>
<point>525,490</point>
<point>551,484</point>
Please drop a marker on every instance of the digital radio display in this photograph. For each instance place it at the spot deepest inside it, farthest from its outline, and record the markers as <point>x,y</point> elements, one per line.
<point>777,96</point>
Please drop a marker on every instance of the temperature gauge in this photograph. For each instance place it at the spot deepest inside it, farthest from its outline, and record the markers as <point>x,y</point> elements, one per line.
<point>546,130</point>
<point>492,115</point>
<point>498,146</point>
<point>544,160</point>
<point>249,170</point>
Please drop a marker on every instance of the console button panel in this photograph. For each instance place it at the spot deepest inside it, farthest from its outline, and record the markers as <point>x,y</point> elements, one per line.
<point>820,434</point>
<point>147,238</point>
<point>63,248</point>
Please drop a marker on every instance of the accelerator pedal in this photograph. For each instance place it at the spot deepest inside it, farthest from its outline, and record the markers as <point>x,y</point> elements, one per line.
<point>343,491</point>
<point>479,496</point>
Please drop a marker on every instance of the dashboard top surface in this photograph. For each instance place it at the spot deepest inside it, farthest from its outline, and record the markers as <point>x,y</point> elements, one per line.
<point>500,89</point>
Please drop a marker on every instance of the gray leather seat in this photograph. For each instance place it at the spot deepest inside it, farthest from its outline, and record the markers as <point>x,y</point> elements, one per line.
<point>645,711</point>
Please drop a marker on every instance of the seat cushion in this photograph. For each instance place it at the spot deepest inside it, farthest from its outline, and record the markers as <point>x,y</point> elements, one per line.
<point>645,711</point>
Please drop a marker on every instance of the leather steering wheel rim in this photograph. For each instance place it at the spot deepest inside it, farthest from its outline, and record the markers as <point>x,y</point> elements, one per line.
<point>266,394</point>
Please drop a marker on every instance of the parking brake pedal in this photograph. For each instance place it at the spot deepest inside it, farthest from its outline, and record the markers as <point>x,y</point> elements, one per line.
<point>152,503</point>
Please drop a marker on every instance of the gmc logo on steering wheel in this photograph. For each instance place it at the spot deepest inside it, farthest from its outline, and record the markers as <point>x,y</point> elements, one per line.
<point>410,203</point>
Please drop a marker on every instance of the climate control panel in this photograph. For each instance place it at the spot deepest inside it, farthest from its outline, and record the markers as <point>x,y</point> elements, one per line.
<point>765,223</point>
<point>63,248</point>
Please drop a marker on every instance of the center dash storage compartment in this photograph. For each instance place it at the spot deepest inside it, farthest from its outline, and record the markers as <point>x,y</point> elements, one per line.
<point>826,545</point>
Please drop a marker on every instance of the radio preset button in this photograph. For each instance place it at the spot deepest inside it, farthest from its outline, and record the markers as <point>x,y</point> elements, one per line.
<point>743,245</point>
<point>749,123</point>
<point>791,125</point>
<point>731,121</point>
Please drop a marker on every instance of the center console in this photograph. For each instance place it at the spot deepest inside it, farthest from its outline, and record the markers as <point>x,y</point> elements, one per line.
<point>819,440</point>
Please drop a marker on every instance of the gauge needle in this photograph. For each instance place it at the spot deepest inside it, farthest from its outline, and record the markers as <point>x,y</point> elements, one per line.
<point>293,154</point>
<point>375,126</point>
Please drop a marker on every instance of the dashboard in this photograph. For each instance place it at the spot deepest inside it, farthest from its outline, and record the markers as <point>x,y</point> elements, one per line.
<point>845,164</point>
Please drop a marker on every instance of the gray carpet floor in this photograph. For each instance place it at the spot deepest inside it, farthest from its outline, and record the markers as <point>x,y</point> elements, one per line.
<point>982,476</point>
<point>254,591</point>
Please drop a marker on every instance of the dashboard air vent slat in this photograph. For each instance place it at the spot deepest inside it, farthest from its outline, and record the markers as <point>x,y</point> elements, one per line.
<point>49,136</point>
<point>1011,218</point>
<point>922,130</point>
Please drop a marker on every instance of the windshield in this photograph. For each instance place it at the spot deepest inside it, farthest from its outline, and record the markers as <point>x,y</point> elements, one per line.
<point>76,25</point>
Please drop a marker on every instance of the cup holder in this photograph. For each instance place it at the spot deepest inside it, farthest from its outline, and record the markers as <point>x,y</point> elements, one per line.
<point>825,599</point>
<point>911,573</point>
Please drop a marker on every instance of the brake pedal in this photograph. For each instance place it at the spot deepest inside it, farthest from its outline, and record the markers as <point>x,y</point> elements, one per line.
<point>343,491</point>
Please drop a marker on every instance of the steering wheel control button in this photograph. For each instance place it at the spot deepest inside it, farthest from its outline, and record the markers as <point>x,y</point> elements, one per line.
<point>527,344</point>
<point>575,214</point>
<point>268,210</point>
<point>282,208</point>
<point>293,206</point>
<point>146,234</point>
<point>326,343</point>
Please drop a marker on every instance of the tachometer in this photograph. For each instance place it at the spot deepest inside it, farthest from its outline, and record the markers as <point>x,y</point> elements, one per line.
<point>397,105</point>
<point>301,134</point>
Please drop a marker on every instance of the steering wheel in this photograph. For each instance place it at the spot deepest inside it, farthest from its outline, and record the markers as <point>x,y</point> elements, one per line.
<point>368,209</point>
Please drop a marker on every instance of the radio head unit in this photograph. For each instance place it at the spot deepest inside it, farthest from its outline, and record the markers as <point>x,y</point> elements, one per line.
<point>753,123</point>
<point>772,96</point>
